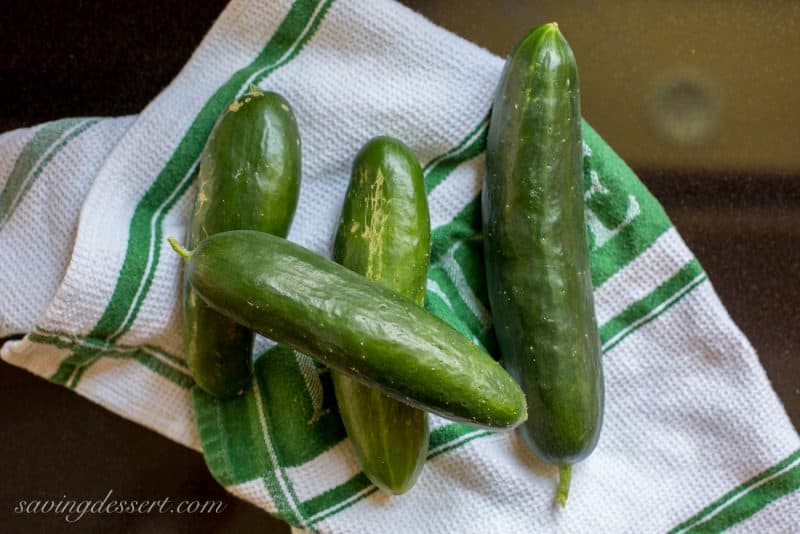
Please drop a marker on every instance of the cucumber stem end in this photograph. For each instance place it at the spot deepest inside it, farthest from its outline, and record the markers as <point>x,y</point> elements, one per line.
<point>564,478</point>
<point>178,248</point>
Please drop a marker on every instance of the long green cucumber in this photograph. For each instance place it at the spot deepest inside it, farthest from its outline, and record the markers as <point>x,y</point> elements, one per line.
<point>363,329</point>
<point>385,234</point>
<point>536,250</point>
<point>249,178</point>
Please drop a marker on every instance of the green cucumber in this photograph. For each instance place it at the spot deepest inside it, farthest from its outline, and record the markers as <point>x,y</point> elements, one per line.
<point>249,179</point>
<point>385,234</point>
<point>363,329</point>
<point>536,250</point>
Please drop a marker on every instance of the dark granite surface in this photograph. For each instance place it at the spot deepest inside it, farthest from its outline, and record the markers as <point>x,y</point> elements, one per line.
<point>735,197</point>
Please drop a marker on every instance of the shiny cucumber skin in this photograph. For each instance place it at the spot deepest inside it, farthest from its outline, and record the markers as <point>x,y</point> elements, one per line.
<point>363,329</point>
<point>385,234</point>
<point>249,178</point>
<point>536,250</point>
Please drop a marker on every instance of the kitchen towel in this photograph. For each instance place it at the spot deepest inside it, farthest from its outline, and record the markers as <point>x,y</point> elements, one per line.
<point>694,438</point>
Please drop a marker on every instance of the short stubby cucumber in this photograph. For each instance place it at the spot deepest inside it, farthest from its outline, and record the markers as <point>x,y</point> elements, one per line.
<point>249,179</point>
<point>385,234</point>
<point>536,250</point>
<point>363,329</point>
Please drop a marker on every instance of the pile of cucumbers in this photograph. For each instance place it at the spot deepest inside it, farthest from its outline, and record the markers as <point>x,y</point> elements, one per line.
<point>362,314</point>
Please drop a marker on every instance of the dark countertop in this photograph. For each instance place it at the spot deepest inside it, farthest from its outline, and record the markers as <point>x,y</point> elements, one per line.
<point>733,193</point>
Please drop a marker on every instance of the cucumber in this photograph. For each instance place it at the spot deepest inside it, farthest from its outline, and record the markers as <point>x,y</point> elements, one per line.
<point>249,178</point>
<point>363,329</point>
<point>536,250</point>
<point>385,234</point>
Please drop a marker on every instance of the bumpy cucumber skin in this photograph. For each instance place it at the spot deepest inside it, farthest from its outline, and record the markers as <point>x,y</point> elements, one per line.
<point>249,178</point>
<point>367,331</point>
<point>536,250</point>
<point>384,234</point>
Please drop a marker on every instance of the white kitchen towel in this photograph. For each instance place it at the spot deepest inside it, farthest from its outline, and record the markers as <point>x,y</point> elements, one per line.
<point>694,438</point>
